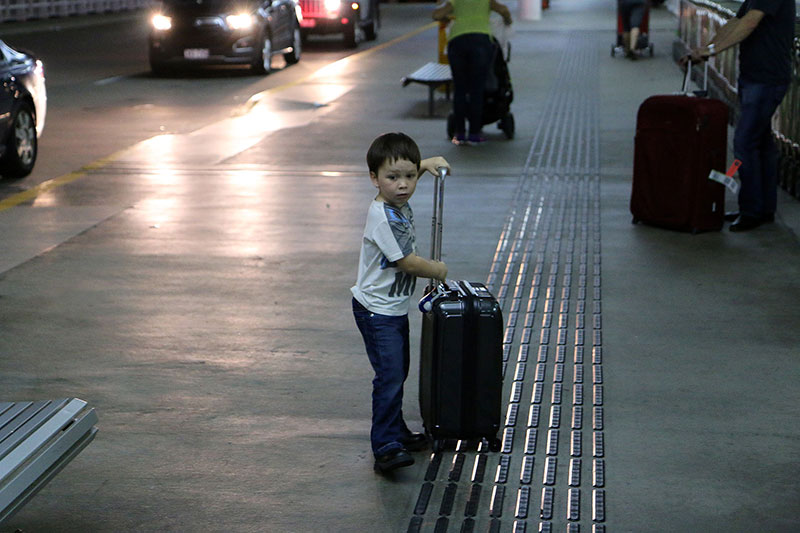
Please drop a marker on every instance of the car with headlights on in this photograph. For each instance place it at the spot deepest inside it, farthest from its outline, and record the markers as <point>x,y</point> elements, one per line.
<point>23,106</point>
<point>224,32</point>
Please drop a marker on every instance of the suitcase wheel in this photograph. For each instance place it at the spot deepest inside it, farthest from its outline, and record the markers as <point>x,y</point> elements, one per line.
<point>437,445</point>
<point>635,220</point>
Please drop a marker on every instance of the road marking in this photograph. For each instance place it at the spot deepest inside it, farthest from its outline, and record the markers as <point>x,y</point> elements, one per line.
<point>34,192</point>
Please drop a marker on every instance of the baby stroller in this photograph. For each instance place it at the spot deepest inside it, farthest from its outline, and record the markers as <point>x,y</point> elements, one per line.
<point>497,96</point>
<point>643,42</point>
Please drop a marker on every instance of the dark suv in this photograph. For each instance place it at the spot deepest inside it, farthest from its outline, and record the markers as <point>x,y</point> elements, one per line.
<point>351,18</point>
<point>223,32</point>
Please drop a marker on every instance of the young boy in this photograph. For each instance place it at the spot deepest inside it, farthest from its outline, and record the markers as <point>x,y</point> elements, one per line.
<point>387,271</point>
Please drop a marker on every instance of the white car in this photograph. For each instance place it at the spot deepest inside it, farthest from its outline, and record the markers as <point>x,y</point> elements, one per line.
<point>23,107</point>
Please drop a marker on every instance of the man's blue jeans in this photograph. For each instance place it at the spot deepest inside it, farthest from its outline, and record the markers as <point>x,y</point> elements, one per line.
<point>386,340</point>
<point>754,147</point>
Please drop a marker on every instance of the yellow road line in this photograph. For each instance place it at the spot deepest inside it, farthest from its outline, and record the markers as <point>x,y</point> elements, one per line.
<point>34,192</point>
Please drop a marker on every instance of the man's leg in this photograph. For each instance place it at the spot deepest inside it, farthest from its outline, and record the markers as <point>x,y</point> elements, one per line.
<point>769,158</point>
<point>634,39</point>
<point>753,146</point>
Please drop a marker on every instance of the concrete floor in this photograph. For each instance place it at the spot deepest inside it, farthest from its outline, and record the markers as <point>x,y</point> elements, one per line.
<point>206,317</point>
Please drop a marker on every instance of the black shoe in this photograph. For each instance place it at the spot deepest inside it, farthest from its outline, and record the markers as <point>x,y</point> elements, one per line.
<point>745,223</point>
<point>393,459</point>
<point>415,442</point>
<point>730,216</point>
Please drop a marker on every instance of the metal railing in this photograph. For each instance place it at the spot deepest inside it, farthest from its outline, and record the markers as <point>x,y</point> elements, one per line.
<point>699,21</point>
<point>21,10</point>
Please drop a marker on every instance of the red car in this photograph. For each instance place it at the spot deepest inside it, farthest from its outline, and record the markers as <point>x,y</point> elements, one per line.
<point>354,19</point>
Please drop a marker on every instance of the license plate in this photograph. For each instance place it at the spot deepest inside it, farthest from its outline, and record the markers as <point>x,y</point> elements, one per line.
<point>308,23</point>
<point>195,53</point>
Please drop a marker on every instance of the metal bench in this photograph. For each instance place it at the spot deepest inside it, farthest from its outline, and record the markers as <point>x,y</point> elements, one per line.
<point>433,75</point>
<point>37,440</point>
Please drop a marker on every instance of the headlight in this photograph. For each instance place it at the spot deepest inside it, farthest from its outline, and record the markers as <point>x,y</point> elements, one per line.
<point>332,5</point>
<point>161,22</point>
<point>239,22</point>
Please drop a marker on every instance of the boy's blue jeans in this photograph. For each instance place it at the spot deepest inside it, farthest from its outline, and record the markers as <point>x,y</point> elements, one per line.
<point>753,146</point>
<point>386,340</point>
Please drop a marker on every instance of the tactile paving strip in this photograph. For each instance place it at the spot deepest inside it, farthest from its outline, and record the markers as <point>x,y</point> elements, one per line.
<point>546,274</point>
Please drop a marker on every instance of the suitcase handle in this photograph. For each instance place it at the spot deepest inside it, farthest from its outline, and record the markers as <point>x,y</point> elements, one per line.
<point>688,77</point>
<point>438,211</point>
<point>435,288</point>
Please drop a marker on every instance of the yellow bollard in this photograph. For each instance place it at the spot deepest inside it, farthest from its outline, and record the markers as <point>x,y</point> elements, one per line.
<point>443,43</point>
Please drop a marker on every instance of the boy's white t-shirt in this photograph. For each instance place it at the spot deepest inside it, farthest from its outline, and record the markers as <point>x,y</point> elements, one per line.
<point>388,237</point>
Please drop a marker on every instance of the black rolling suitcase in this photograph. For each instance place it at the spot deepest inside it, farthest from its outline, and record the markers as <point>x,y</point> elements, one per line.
<point>461,355</point>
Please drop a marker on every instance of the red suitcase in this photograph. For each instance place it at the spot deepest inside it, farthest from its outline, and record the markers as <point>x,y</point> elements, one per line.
<point>679,140</point>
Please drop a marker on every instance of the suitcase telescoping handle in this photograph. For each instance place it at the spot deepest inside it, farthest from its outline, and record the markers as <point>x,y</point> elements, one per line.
<point>688,78</point>
<point>438,212</point>
<point>434,286</point>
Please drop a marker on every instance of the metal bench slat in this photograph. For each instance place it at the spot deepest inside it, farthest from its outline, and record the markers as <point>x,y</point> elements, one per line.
<point>13,411</point>
<point>5,406</point>
<point>34,474</point>
<point>431,72</point>
<point>26,449</point>
<point>433,75</point>
<point>26,422</point>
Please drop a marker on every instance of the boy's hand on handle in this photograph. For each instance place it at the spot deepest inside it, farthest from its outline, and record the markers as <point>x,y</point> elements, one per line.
<point>433,164</point>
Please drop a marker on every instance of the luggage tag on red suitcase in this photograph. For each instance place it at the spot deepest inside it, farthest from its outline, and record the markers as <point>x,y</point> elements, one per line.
<point>727,179</point>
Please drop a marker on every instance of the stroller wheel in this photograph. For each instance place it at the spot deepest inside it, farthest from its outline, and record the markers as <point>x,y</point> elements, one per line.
<point>507,125</point>
<point>451,125</point>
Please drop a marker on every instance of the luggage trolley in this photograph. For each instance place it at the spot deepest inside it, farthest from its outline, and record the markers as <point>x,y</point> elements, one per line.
<point>643,42</point>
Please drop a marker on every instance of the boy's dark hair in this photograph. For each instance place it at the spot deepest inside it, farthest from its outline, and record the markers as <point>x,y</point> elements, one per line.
<point>391,147</point>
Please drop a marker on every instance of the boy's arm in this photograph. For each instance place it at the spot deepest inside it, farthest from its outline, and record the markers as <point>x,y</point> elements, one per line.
<point>432,165</point>
<point>423,268</point>
<point>504,12</point>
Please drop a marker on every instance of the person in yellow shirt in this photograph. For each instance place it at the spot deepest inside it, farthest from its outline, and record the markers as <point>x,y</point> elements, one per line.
<point>469,50</point>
